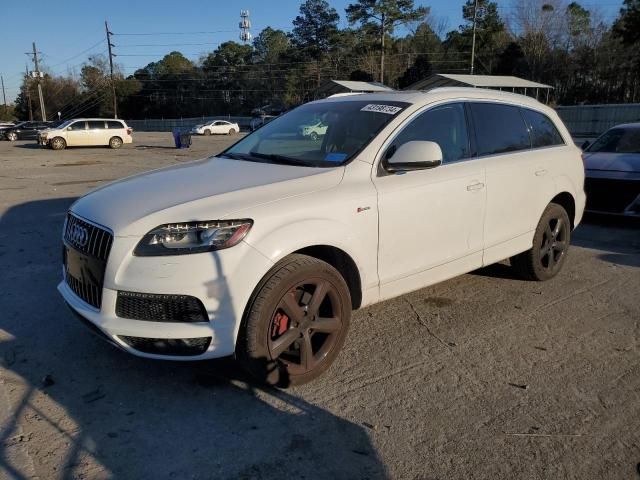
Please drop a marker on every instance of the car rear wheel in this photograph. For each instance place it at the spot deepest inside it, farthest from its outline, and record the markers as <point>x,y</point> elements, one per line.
<point>296,322</point>
<point>12,136</point>
<point>232,131</point>
<point>207,132</point>
<point>57,143</point>
<point>313,136</point>
<point>115,142</point>
<point>550,246</point>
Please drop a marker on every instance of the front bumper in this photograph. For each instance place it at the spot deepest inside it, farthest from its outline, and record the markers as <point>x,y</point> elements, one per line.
<point>223,281</point>
<point>613,196</point>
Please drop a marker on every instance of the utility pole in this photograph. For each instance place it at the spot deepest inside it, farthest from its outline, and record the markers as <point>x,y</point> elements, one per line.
<point>382,33</point>
<point>473,41</point>
<point>4,97</point>
<point>38,75</point>
<point>26,81</point>
<point>111,55</point>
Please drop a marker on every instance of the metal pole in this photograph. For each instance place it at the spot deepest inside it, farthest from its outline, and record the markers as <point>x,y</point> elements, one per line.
<point>4,97</point>
<point>382,32</point>
<point>473,38</point>
<point>113,85</point>
<point>26,80</point>
<point>43,112</point>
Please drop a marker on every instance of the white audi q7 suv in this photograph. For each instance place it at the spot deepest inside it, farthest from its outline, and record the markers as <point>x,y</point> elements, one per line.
<point>263,251</point>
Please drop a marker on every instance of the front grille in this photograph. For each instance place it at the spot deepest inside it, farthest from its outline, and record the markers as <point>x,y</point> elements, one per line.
<point>160,308</point>
<point>89,245</point>
<point>610,196</point>
<point>180,347</point>
<point>96,243</point>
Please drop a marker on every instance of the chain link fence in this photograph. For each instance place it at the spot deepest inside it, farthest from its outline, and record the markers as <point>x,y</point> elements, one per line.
<point>169,124</point>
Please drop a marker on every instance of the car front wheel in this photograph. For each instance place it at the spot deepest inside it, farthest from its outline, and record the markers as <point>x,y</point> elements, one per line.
<point>57,143</point>
<point>550,246</point>
<point>296,322</point>
<point>12,136</point>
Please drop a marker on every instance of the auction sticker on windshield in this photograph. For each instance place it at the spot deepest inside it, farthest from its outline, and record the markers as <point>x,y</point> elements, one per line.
<point>388,109</point>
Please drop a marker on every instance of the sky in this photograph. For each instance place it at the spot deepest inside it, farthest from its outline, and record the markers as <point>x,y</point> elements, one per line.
<point>66,32</point>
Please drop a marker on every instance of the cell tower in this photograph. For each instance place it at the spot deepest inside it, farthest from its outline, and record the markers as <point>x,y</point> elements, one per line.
<point>245,25</point>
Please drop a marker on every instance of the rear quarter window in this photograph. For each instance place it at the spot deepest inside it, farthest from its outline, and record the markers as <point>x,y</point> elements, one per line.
<point>543,131</point>
<point>112,124</point>
<point>499,128</point>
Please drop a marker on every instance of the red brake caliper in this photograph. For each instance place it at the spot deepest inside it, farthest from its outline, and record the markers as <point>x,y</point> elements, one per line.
<point>280,325</point>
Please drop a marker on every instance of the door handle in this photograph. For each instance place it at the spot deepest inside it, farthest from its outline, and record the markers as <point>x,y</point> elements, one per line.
<point>540,173</point>
<point>475,186</point>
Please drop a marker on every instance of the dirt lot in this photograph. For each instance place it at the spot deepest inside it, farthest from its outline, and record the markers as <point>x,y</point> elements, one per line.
<point>484,376</point>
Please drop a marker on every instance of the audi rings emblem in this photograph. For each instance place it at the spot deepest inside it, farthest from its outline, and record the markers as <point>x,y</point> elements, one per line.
<point>79,235</point>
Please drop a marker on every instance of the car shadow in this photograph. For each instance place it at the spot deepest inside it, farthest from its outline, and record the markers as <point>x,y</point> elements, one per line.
<point>84,409</point>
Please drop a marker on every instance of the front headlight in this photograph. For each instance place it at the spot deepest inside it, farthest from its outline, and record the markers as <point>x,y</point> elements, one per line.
<point>192,237</point>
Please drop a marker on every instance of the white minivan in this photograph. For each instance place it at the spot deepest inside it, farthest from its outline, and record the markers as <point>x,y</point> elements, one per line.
<point>87,132</point>
<point>263,250</point>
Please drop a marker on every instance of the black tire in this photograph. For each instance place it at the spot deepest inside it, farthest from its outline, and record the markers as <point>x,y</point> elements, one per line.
<point>232,131</point>
<point>57,143</point>
<point>115,142</point>
<point>12,136</point>
<point>283,320</point>
<point>207,132</point>
<point>313,136</point>
<point>550,246</point>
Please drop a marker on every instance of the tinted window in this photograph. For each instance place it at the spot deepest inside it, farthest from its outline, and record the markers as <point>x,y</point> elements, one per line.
<point>445,125</point>
<point>77,126</point>
<point>543,132</point>
<point>96,125</point>
<point>113,124</point>
<point>618,140</point>
<point>499,128</point>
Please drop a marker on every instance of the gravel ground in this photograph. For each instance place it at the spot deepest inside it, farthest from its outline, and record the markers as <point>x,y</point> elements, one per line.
<point>484,376</point>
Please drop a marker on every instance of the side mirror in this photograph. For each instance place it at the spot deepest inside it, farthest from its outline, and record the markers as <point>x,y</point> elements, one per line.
<point>414,155</point>
<point>585,145</point>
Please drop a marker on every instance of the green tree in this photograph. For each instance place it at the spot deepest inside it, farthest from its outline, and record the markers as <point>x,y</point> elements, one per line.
<point>420,69</point>
<point>386,14</point>
<point>315,27</point>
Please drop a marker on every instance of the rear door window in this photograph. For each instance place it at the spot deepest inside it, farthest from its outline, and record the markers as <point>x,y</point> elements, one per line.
<point>96,125</point>
<point>112,124</point>
<point>499,128</point>
<point>445,125</point>
<point>543,132</point>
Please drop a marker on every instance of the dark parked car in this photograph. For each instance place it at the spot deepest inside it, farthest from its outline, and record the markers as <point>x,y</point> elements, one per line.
<point>612,171</point>
<point>25,130</point>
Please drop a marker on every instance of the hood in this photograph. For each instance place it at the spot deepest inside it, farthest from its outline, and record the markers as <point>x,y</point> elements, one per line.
<point>617,162</point>
<point>209,189</point>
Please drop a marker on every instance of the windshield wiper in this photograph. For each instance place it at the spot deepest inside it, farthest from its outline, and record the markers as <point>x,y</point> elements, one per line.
<point>280,159</point>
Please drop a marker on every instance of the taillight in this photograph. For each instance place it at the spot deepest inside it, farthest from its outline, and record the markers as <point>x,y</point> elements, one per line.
<point>129,130</point>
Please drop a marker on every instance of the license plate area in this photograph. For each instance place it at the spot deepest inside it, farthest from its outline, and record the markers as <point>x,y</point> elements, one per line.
<point>84,274</point>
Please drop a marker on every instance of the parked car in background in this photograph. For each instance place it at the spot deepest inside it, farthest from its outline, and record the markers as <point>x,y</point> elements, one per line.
<point>263,251</point>
<point>314,131</point>
<point>4,125</point>
<point>216,127</point>
<point>612,168</point>
<point>87,132</point>
<point>25,130</point>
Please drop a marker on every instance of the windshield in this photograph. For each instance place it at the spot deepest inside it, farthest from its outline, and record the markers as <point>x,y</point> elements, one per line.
<point>350,126</point>
<point>64,124</point>
<point>618,140</point>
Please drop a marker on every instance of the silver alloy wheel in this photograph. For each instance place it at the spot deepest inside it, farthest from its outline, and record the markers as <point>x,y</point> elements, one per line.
<point>57,143</point>
<point>12,136</point>
<point>115,142</point>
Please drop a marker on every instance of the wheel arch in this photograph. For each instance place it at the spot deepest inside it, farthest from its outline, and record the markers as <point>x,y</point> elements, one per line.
<point>566,201</point>
<point>343,263</point>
